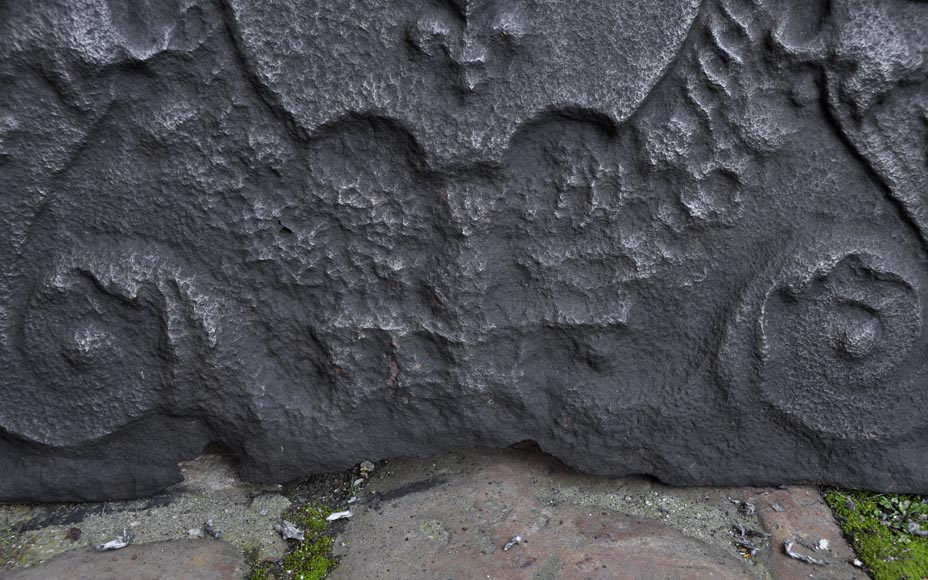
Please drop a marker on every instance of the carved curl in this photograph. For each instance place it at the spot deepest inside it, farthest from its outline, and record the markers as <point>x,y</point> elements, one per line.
<point>103,335</point>
<point>832,337</point>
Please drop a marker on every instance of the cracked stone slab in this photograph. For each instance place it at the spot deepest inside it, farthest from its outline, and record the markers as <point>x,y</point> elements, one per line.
<point>452,516</point>
<point>798,514</point>
<point>211,492</point>
<point>172,560</point>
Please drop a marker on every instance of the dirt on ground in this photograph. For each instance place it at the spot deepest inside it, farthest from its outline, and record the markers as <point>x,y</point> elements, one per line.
<point>513,514</point>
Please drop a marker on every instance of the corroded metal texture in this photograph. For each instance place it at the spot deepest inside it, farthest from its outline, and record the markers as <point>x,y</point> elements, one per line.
<point>679,238</point>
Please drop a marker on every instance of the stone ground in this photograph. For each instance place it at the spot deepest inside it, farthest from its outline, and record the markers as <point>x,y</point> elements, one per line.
<point>448,517</point>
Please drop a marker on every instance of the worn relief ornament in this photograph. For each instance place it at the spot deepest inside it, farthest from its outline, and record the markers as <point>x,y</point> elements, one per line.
<point>679,238</point>
<point>461,75</point>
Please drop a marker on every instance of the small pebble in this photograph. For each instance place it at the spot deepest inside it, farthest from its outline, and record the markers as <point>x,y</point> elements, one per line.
<point>118,543</point>
<point>212,530</point>
<point>289,531</point>
<point>512,543</point>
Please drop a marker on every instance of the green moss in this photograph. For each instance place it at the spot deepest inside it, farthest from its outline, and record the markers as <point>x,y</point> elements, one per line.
<point>261,572</point>
<point>16,551</point>
<point>310,560</point>
<point>878,527</point>
<point>306,560</point>
<point>311,518</point>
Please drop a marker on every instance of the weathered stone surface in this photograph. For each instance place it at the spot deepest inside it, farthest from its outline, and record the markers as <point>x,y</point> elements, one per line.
<point>452,516</point>
<point>798,515</point>
<point>679,238</point>
<point>174,560</point>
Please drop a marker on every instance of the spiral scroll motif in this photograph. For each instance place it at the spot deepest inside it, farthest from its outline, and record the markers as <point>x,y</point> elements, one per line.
<point>833,337</point>
<point>99,342</point>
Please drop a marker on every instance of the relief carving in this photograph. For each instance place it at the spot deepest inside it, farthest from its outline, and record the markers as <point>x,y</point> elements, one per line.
<point>833,335</point>
<point>665,233</point>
